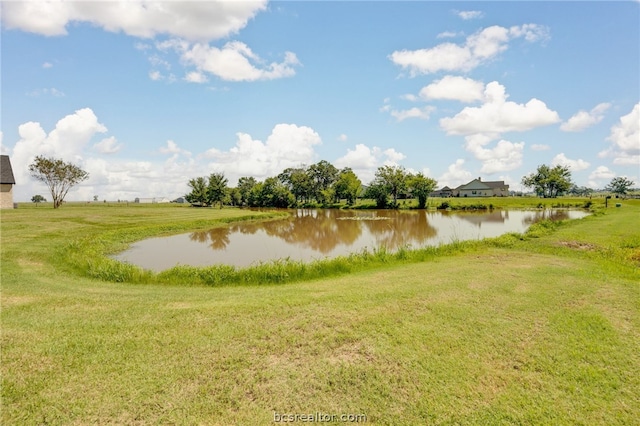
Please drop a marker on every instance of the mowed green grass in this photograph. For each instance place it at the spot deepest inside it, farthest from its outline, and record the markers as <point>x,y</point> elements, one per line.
<point>542,330</point>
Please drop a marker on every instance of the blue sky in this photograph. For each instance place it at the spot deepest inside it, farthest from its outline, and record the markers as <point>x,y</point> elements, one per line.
<point>146,95</point>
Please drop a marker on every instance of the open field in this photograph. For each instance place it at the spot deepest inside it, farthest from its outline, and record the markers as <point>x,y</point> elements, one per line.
<point>535,329</point>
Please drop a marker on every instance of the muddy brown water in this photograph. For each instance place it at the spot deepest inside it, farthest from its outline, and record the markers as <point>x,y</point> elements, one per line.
<point>309,234</point>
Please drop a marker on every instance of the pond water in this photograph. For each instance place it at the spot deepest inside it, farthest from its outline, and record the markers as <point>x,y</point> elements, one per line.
<point>309,234</point>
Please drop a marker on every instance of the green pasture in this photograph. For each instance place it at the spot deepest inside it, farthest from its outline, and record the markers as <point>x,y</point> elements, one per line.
<point>541,328</point>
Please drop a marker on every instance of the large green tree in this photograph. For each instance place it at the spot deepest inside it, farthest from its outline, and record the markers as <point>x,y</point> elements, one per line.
<point>394,178</point>
<point>620,185</point>
<point>58,175</point>
<point>323,174</point>
<point>245,185</point>
<point>549,182</point>
<point>299,182</point>
<point>420,187</point>
<point>216,189</point>
<point>347,186</point>
<point>207,191</point>
<point>198,194</point>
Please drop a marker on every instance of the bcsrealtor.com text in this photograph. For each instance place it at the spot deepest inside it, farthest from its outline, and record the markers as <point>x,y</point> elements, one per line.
<point>318,418</point>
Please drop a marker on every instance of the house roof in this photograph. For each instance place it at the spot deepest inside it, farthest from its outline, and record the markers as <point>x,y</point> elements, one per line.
<point>495,184</point>
<point>6,172</point>
<point>475,184</point>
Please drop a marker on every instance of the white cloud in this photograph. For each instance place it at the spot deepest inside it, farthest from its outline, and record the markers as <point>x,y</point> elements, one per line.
<point>423,113</point>
<point>540,147</point>
<point>66,141</point>
<point>47,65</point>
<point>454,88</point>
<point>364,161</point>
<point>235,61</point>
<point>600,177</point>
<point>288,145</point>
<point>108,146</point>
<point>196,21</point>
<point>343,138</point>
<point>448,34</point>
<point>173,148</point>
<point>625,139</point>
<point>478,48</point>
<point>46,92</point>
<point>503,157</point>
<point>469,14</point>
<point>455,175</point>
<point>195,77</point>
<point>497,115</point>
<point>583,119</point>
<point>574,165</point>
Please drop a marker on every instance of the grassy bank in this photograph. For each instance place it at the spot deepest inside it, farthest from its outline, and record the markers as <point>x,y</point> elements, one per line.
<point>536,329</point>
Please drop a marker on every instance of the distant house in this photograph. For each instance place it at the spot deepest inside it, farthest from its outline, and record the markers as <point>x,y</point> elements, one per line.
<point>443,193</point>
<point>6,183</point>
<point>151,200</point>
<point>478,188</point>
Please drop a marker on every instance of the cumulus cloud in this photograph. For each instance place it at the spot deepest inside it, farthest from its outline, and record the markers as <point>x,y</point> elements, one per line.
<point>625,139</point>
<point>46,92</point>
<point>235,61</point>
<point>195,77</point>
<point>482,125</point>
<point>448,34</point>
<point>196,21</point>
<point>540,147</point>
<point>66,141</point>
<point>288,145</point>
<point>422,113</point>
<point>364,161</point>
<point>455,175</point>
<point>497,115</point>
<point>114,178</point>
<point>108,145</point>
<point>574,165</point>
<point>469,14</point>
<point>504,156</point>
<point>477,49</point>
<point>189,26</point>
<point>600,177</point>
<point>454,88</point>
<point>583,119</point>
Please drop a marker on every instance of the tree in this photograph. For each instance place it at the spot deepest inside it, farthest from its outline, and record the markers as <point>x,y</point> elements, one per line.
<point>394,178</point>
<point>323,174</point>
<point>198,194</point>
<point>347,186</point>
<point>299,182</point>
<point>378,191</point>
<point>57,175</point>
<point>216,189</point>
<point>421,186</point>
<point>245,185</point>
<point>619,186</point>
<point>549,182</point>
<point>38,199</point>
<point>271,193</point>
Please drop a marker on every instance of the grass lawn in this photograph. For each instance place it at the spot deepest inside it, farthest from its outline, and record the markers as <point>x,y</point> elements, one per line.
<point>542,329</point>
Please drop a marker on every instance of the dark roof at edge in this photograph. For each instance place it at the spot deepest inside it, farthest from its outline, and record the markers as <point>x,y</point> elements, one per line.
<point>6,172</point>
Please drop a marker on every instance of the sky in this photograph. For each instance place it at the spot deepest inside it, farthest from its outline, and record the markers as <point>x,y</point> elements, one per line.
<point>145,95</point>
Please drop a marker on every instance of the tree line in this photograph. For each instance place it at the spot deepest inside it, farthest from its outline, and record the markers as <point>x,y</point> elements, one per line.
<point>319,184</point>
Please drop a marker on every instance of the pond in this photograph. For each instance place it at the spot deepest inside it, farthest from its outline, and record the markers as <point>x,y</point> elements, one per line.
<point>310,234</point>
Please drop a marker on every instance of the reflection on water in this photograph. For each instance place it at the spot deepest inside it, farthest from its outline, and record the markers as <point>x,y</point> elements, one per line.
<point>309,234</point>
